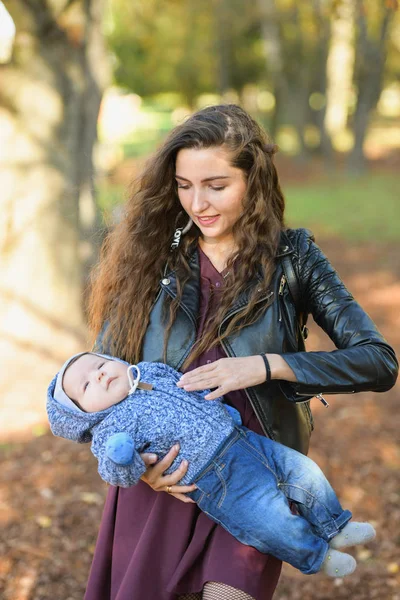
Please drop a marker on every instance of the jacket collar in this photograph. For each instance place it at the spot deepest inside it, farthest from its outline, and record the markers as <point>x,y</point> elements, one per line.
<point>191,292</point>
<point>285,245</point>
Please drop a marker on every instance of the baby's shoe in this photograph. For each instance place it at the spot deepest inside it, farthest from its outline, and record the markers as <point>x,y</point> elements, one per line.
<point>352,534</point>
<point>338,564</point>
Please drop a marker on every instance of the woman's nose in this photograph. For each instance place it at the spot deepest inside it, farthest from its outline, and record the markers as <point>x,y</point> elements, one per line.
<point>199,201</point>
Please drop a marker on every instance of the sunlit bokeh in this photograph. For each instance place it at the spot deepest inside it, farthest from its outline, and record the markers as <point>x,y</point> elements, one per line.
<point>7,34</point>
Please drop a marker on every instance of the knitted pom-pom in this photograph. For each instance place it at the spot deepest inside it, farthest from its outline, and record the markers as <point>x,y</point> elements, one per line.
<point>120,448</point>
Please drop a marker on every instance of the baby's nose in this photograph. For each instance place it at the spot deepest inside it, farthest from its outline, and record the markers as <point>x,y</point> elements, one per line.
<point>100,374</point>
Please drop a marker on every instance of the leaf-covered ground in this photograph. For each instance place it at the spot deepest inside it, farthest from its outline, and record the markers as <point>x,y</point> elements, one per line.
<point>51,497</point>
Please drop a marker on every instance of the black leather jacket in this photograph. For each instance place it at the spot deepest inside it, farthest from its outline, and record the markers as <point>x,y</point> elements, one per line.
<point>363,360</point>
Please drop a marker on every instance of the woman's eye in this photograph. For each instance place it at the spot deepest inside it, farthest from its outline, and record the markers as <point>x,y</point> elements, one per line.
<point>85,386</point>
<point>182,187</point>
<point>218,189</point>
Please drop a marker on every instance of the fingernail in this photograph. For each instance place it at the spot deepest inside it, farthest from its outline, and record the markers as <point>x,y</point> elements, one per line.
<point>153,456</point>
<point>184,462</point>
<point>176,447</point>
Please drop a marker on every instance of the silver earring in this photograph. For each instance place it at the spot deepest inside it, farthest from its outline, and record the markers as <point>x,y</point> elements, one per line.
<point>179,231</point>
<point>187,227</point>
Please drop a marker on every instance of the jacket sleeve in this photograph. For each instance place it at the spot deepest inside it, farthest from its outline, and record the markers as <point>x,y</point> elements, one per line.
<point>121,475</point>
<point>99,345</point>
<point>363,360</point>
<point>119,463</point>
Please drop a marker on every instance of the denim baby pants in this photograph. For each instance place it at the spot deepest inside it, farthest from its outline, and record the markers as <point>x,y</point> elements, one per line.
<point>247,487</point>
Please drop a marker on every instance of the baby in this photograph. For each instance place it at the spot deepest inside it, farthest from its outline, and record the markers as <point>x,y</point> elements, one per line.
<point>244,481</point>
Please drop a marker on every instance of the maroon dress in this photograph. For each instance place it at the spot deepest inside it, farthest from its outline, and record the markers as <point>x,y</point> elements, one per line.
<point>155,547</point>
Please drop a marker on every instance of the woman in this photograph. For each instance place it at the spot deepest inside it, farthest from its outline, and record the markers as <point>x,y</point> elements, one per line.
<point>194,276</point>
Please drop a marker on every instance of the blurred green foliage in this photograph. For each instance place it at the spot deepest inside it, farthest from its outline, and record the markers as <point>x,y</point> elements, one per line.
<point>358,208</point>
<point>317,60</point>
<point>156,111</point>
<point>186,54</point>
<point>184,46</point>
<point>109,197</point>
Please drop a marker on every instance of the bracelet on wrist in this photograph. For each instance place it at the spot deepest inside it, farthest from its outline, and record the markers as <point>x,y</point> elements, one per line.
<point>267,368</point>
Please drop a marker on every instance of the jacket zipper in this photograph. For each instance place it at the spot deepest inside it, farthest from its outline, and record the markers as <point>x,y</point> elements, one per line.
<point>321,398</point>
<point>309,394</point>
<point>228,316</point>
<point>231,314</point>
<point>280,293</point>
<point>264,428</point>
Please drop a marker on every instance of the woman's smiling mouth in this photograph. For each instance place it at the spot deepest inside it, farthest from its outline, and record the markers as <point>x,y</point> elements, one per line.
<point>207,220</point>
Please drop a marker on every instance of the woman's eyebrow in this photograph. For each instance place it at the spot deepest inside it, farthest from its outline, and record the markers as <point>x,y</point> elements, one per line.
<point>206,179</point>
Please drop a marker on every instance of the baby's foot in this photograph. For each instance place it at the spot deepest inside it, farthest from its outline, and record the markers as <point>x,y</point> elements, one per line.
<point>353,533</point>
<point>338,564</point>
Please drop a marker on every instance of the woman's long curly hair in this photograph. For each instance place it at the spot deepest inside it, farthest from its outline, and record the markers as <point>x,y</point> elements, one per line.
<point>138,250</point>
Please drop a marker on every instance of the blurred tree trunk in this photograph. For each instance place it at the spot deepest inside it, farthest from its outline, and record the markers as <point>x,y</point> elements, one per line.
<point>187,69</point>
<point>368,76</point>
<point>50,94</point>
<point>340,69</point>
<point>296,61</point>
<point>222,37</point>
<point>319,75</point>
<point>273,50</point>
<point>299,78</point>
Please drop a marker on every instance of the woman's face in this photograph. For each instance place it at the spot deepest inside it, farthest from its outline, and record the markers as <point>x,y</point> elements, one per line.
<point>210,191</point>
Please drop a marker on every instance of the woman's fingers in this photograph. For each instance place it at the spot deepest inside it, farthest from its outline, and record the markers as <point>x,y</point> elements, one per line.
<point>155,477</point>
<point>210,381</point>
<point>182,489</point>
<point>183,498</point>
<point>167,461</point>
<point>218,393</point>
<point>179,491</point>
<point>226,375</point>
<point>202,375</point>
<point>163,481</point>
<point>167,483</point>
<point>148,458</point>
<point>214,376</point>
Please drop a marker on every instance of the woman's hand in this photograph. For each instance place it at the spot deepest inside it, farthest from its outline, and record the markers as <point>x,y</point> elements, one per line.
<point>225,374</point>
<point>155,479</point>
<point>229,374</point>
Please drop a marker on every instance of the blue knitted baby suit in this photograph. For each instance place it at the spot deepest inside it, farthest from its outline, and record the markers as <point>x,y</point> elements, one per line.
<point>154,420</point>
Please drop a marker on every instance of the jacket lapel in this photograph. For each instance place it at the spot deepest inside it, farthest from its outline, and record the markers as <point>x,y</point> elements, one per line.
<point>285,247</point>
<point>191,292</point>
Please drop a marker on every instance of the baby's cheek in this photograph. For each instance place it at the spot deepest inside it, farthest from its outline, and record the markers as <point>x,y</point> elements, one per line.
<point>120,393</point>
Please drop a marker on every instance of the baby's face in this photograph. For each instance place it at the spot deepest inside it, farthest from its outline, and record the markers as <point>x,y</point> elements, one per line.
<point>95,382</point>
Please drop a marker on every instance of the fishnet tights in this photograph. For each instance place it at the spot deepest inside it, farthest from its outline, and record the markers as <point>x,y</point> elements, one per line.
<point>213,590</point>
